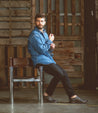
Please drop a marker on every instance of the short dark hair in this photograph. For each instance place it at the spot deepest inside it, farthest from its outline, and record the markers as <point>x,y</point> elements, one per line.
<point>40,15</point>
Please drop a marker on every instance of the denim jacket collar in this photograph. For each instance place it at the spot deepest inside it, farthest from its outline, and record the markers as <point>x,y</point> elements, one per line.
<point>39,30</point>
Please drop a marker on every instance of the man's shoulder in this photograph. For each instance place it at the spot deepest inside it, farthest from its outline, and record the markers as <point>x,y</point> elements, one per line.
<point>34,32</point>
<point>34,35</point>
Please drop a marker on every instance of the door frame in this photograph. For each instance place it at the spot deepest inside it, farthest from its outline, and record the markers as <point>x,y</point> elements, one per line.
<point>90,72</point>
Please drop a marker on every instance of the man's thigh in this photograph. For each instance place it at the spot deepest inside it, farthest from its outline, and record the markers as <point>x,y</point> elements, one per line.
<point>55,70</point>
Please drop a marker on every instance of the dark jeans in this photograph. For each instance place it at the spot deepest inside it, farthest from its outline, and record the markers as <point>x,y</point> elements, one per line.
<point>59,74</point>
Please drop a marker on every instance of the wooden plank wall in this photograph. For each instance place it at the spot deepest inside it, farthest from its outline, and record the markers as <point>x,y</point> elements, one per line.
<point>64,19</point>
<point>15,26</point>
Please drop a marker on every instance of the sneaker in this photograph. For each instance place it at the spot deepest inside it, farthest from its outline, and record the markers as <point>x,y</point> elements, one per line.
<point>49,99</point>
<point>78,100</point>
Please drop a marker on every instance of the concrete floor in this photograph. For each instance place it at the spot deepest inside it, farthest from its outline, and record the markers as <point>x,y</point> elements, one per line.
<point>26,102</point>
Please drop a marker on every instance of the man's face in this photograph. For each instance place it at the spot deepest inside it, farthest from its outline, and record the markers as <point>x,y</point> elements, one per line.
<point>40,23</point>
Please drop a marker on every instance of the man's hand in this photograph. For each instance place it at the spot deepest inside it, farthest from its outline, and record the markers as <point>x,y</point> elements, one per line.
<point>52,46</point>
<point>51,37</point>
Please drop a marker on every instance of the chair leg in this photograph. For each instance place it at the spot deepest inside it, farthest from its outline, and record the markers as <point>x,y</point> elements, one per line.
<point>41,84</point>
<point>39,91</point>
<point>11,85</point>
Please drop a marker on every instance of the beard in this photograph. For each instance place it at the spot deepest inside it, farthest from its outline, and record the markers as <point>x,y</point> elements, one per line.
<point>40,27</point>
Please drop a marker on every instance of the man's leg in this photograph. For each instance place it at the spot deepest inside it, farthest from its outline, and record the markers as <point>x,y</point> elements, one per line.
<point>59,75</point>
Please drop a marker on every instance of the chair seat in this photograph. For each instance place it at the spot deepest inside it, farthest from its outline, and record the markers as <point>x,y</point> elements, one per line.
<point>27,77</point>
<point>26,80</point>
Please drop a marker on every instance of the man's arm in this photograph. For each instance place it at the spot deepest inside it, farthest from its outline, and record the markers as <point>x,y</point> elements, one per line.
<point>38,44</point>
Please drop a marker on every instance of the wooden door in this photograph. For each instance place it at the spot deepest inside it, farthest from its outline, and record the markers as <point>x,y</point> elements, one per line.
<point>90,58</point>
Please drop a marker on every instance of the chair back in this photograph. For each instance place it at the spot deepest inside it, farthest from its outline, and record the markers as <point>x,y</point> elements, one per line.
<point>20,62</point>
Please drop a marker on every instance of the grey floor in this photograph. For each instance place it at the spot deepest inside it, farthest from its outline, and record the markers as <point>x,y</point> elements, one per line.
<point>26,102</point>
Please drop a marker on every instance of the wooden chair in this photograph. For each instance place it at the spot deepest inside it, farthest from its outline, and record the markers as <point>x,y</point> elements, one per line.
<point>24,62</point>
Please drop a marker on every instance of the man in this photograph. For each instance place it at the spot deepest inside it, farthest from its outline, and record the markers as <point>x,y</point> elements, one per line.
<point>40,46</point>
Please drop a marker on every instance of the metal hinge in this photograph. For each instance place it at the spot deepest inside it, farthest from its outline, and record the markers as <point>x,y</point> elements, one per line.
<point>92,13</point>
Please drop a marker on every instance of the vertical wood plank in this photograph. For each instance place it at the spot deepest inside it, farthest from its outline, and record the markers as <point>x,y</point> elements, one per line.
<point>20,51</point>
<point>10,51</point>
<point>27,53</point>
<point>82,33</point>
<point>82,17</point>
<point>10,26</point>
<point>28,69</point>
<point>73,16</point>
<point>33,14</point>
<point>65,18</point>
<point>57,18</point>
<point>41,6</point>
<point>20,54</point>
<point>6,65</point>
<point>49,17</point>
<point>2,66</point>
<point>53,22</point>
<point>25,73</point>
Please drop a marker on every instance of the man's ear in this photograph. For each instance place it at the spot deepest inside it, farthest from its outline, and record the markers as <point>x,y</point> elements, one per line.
<point>45,22</point>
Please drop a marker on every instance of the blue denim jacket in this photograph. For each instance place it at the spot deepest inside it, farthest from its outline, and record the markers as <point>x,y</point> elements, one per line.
<point>39,47</point>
